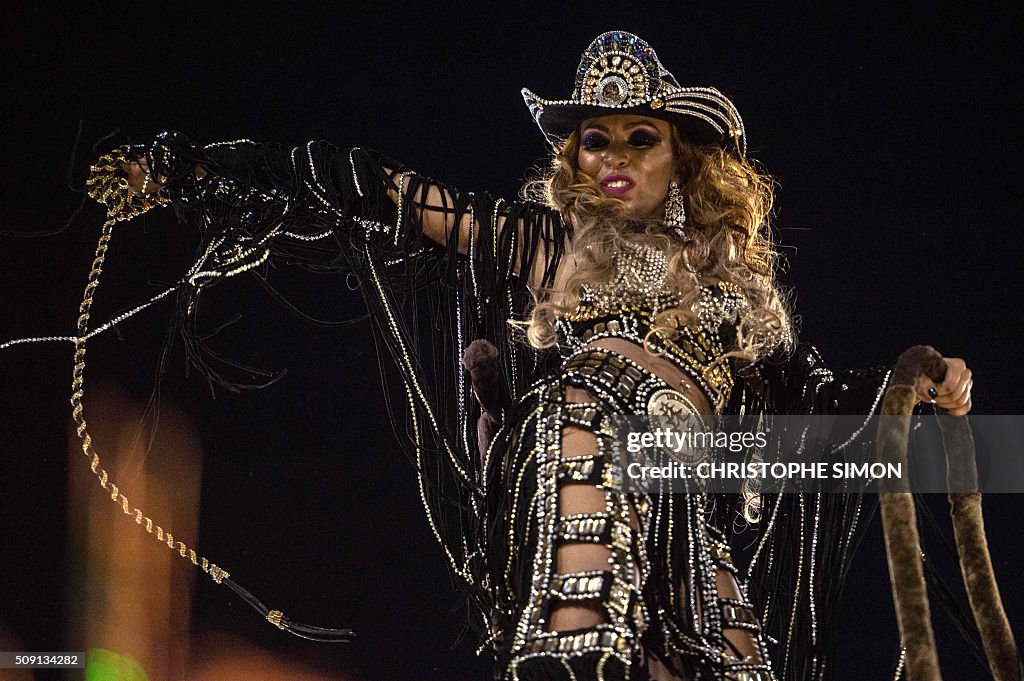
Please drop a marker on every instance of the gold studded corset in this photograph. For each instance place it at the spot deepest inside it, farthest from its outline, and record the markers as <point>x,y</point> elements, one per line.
<point>694,349</point>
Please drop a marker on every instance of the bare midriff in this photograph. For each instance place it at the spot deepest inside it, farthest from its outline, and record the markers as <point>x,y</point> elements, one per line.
<point>660,367</point>
<point>681,381</point>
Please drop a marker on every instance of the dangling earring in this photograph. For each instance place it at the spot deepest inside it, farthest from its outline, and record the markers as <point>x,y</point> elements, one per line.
<point>675,212</point>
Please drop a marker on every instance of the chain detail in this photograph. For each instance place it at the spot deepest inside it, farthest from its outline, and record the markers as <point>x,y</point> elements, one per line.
<point>111,323</point>
<point>108,184</point>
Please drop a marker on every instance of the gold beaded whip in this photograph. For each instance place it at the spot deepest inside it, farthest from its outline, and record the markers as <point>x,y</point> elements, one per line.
<point>108,184</point>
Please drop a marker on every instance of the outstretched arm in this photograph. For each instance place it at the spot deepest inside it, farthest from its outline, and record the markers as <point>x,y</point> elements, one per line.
<point>349,182</point>
<point>436,267</point>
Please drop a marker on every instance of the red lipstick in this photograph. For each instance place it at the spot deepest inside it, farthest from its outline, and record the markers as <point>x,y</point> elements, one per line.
<point>617,184</point>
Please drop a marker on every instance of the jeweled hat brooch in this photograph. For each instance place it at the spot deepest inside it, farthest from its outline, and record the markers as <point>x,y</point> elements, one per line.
<point>620,74</point>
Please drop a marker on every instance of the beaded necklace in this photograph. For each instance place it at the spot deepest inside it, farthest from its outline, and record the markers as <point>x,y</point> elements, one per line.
<point>633,297</point>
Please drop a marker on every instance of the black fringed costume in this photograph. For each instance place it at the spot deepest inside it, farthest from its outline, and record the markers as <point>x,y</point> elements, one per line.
<point>497,521</point>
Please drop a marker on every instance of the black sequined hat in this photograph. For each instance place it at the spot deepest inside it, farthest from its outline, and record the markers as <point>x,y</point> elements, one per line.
<point>620,74</point>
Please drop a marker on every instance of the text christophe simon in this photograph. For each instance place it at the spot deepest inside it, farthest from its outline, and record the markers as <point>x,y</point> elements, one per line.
<point>667,439</point>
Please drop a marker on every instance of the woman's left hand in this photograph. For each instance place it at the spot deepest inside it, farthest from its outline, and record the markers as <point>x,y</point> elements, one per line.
<point>954,393</point>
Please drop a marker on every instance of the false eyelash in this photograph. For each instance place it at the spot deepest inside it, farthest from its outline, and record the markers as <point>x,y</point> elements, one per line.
<point>644,138</point>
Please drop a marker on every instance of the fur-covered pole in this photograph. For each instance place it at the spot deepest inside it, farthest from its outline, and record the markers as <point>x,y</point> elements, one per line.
<point>982,590</point>
<point>899,520</point>
<point>972,549</point>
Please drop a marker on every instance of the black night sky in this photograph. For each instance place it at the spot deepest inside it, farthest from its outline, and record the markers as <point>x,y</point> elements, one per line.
<point>894,132</point>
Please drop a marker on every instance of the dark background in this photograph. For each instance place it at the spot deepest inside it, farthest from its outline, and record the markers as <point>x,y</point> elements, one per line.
<point>894,133</point>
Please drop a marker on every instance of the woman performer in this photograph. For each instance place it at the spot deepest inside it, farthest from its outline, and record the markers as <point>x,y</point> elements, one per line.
<point>643,275</point>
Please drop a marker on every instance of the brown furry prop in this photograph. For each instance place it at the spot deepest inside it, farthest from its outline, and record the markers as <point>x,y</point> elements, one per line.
<point>480,359</point>
<point>902,543</point>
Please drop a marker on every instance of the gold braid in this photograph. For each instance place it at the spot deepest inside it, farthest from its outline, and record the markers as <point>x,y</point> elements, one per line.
<point>108,184</point>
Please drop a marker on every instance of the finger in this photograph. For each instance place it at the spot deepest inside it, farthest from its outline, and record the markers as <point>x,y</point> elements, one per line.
<point>967,382</point>
<point>955,368</point>
<point>956,403</point>
<point>961,411</point>
<point>135,178</point>
<point>926,390</point>
<point>957,389</point>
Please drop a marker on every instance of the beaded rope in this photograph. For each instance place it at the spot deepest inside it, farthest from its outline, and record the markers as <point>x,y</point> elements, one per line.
<point>106,326</point>
<point>108,185</point>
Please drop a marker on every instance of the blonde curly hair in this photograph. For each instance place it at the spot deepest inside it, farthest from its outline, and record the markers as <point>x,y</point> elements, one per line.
<point>728,205</point>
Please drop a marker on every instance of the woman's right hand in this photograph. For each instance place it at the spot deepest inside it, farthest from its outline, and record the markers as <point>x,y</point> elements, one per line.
<point>139,179</point>
<point>142,182</point>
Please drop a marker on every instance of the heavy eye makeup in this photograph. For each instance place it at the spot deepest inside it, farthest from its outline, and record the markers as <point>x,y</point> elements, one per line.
<point>642,138</point>
<point>645,138</point>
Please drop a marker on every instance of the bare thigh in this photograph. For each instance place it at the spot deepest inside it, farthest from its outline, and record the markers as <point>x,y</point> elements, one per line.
<point>574,499</point>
